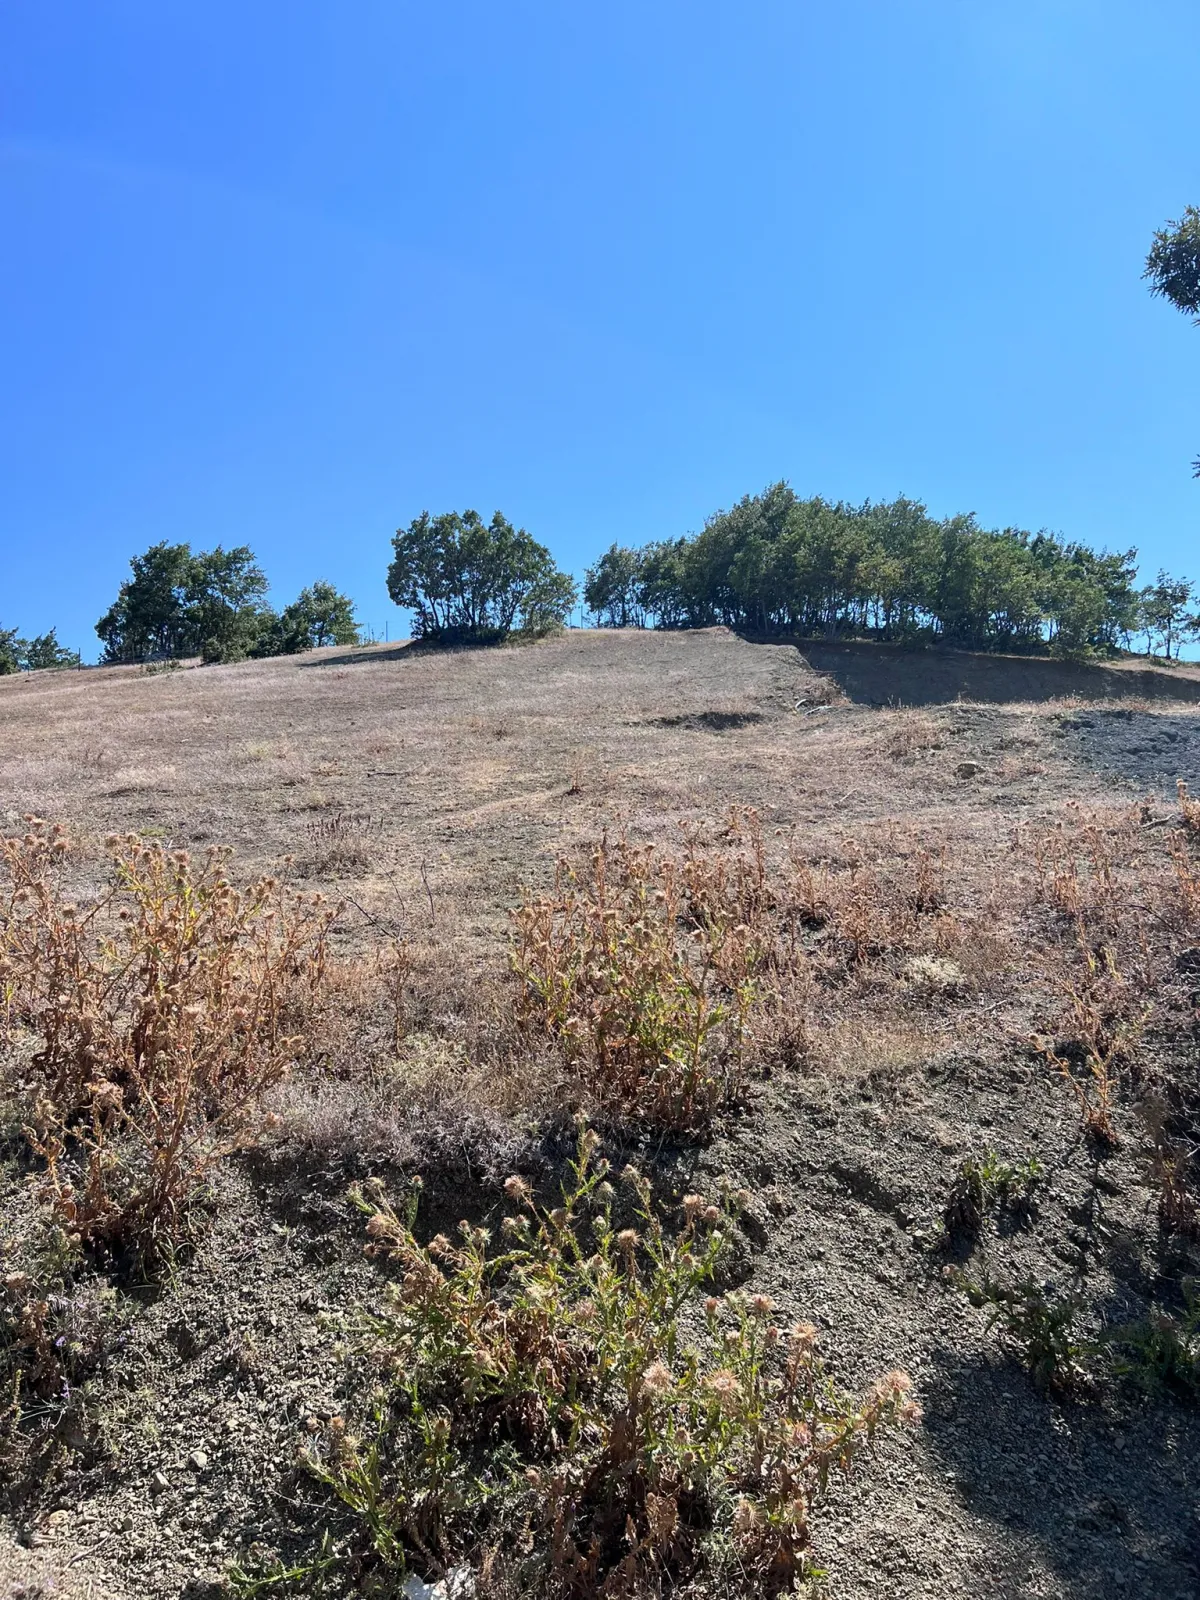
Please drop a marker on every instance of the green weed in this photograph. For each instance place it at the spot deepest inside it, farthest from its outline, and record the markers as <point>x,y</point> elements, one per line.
<point>570,1402</point>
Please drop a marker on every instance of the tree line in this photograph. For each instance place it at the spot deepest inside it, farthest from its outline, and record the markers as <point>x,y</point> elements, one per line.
<point>212,603</point>
<point>465,581</point>
<point>33,655</point>
<point>777,563</point>
<point>773,564</point>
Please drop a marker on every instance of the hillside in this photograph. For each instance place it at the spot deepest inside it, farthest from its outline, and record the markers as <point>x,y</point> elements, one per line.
<point>989,900</point>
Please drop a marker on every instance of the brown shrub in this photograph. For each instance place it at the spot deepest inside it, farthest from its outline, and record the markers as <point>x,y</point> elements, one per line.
<point>653,973</point>
<point>153,1020</point>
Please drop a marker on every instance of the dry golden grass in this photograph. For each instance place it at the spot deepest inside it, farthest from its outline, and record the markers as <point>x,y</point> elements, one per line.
<point>432,792</point>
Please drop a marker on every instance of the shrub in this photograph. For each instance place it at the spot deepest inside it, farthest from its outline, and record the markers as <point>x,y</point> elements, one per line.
<point>154,1019</point>
<point>541,1399</point>
<point>54,1332</point>
<point>467,581</point>
<point>645,969</point>
<point>1162,1352</point>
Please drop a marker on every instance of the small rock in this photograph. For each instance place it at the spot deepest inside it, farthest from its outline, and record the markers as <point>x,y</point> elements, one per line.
<point>159,1482</point>
<point>198,1460</point>
<point>458,1584</point>
<point>969,769</point>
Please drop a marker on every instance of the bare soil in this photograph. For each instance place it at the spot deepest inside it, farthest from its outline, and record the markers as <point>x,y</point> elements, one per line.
<point>426,790</point>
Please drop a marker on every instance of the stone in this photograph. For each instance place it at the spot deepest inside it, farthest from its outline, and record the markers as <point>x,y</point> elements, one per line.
<point>969,769</point>
<point>198,1460</point>
<point>159,1482</point>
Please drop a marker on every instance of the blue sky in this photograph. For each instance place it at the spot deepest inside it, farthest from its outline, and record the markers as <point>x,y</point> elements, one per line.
<point>287,273</point>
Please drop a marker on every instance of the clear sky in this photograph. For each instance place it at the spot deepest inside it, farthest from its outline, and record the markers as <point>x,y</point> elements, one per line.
<point>284,273</point>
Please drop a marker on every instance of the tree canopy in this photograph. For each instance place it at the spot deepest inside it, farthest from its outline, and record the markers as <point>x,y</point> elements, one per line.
<point>319,615</point>
<point>212,603</point>
<point>32,655</point>
<point>179,603</point>
<point>776,563</point>
<point>472,581</point>
<point>1173,268</point>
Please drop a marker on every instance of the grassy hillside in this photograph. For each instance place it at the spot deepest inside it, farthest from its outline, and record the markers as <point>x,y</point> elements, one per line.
<point>940,957</point>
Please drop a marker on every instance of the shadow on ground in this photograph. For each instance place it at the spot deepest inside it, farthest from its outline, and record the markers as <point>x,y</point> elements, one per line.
<point>894,675</point>
<point>1108,1498</point>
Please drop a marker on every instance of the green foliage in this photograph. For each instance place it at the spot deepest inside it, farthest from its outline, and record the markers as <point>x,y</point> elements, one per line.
<point>1040,1326</point>
<point>1162,1352</point>
<point>475,582</point>
<point>213,604</point>
<point>323,616</point>
<point>225,602</point>
<point>611,588</point>
<point>775,563</point>
<point>320,615</point>
<point>44,651</point>
<point>1164,614</point>
<point>32,655</point>
<point>177,603</point>
<point>1173,267</point>
<point>979,1185</point>
<point>541,1395</point>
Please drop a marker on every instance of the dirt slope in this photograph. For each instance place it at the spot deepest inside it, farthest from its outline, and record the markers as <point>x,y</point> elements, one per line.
<point>427,789</point>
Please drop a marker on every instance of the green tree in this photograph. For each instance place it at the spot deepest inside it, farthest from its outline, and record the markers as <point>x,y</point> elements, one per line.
<point>225,603</point>
<point>9,657</point>
<point>318,616</point>
<point>325,614</point>
<point>775,563</point>
<point>468,580</point>
<point>179,603</point>
<point>43,651</point>
<point>1164,612</point>
<point>1173,268</point>
<point>150,615</point>
<point>611,588</point>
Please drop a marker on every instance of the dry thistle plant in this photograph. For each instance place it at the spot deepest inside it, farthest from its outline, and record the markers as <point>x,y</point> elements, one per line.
<point>872,914</point>
<point>152,1020</point>
<point>1104,1024</point>
<point>1170,1172</point>
<point>647,969</point>
<point>1189,809</point>
<point>541,1401</point>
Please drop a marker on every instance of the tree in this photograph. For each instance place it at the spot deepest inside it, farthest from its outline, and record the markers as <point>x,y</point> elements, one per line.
<point>178,603</point>
<point>225,602</point>
<point>149,617</point>
<point>44,651</point>
<point>468,580</point>
<point>1173,268</point>
<point>1164,613</point>
<point>9,656</point>
<point>324,615</point>
<point>774,563</point>
<point>318,616</point>
<point>610,589</point>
